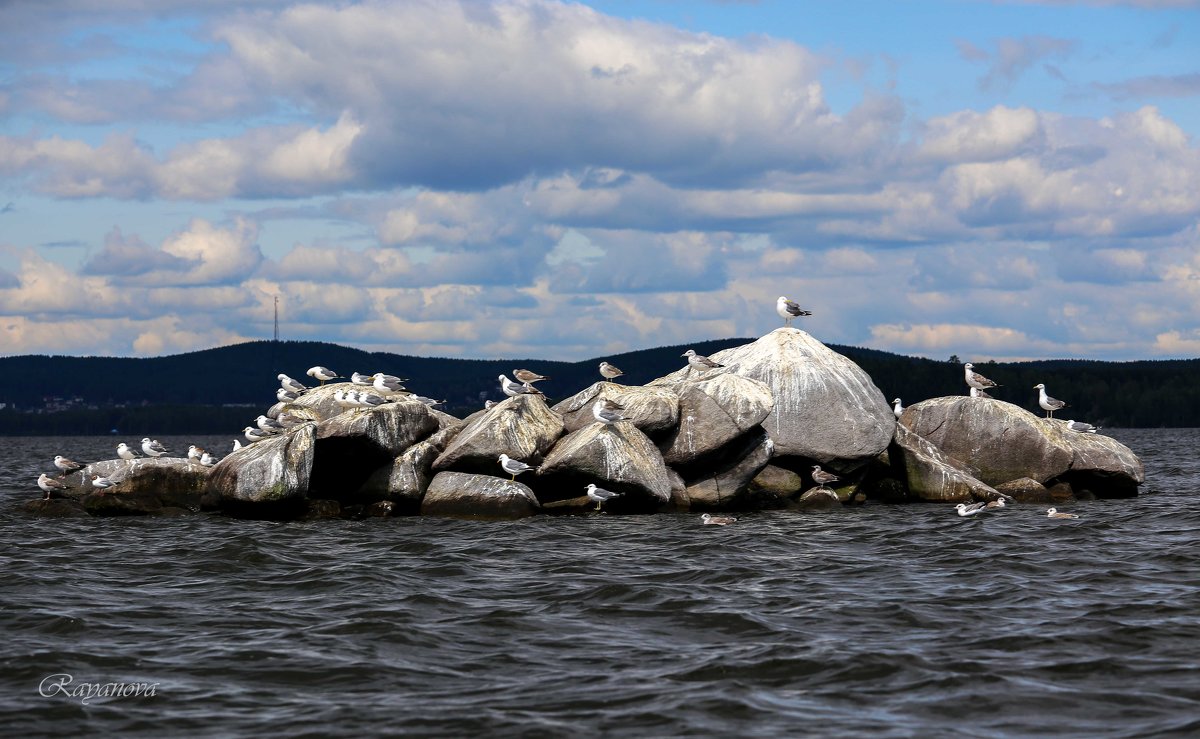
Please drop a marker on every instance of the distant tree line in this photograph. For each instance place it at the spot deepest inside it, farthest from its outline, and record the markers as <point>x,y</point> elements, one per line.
<point>221,390</point>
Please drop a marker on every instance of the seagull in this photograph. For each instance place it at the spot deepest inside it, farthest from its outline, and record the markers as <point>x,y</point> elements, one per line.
<point>151,448</point>
<point>102,483</point>
<point>821,477</point>
<point>609,372</point>
<point>287,419</point>
<point>360,379</point>
<point>252,434</point>
<point>428,401</point>
<point>52,487</point>
<point>699,361</point>
<point>524,375</point>
<point>976,380</point>
<point>387,384</point>
<point>291,385</point>
<point>965,510</point>
<point>124,452</point>
<point>1047,403</point>
<point>371,400</point>
<point>606,412</point>
<point>514,467</point>
<point>283,395</point>
<point>194,452</point>
<point>712,520</point>
<point>237,444</point>
<point>268,425</point>
<point>977,393</point>
<point>997,503</point>
<point>324,374</point>
<point>342,398</point>
<point>897,408</point>
<point>1055,513</point>
<point>789,309</point>
<point>207,459</point>
<point>66,465</point>
<point>600,495</point>
<point>513,389</point>
<point>1081,427</point>
<point>487,404</point>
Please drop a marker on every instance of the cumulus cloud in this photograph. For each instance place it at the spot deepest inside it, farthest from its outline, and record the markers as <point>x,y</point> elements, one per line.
<point>1012,57</point>
<point>203,254</point>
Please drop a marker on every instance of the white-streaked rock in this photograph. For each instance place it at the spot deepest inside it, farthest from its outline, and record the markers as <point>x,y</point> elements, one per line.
<point>652,409</point>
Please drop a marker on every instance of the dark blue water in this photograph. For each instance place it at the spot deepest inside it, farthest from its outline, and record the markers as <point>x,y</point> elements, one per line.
<point>869,621</point>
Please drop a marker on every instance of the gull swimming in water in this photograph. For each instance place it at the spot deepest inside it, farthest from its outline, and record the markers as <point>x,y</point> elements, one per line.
<point>976,380</point>
<point>609,372</point>
<point>151,447</point>
<point>1055,513</point>
<point>1081,427</point>
<point>607,412</point>
<point>524,375</point>
<point>66,466</point>
<point>897,409</point>
<point>997,503</point>
<point>699,361</point>
<point>514,467</point>
<point>324,374</point>
<point>361,379</point>
<point>102,483</point>
<point>600,495</point>
<point>965,510</point>
<point>821,477</point>
<point>291,385</point>
<point>789,309</point>
<point>1047,403</point>
<point>124,452</point>
<point>977,393</point>
<point>52,487</point>
<point>712,520</point>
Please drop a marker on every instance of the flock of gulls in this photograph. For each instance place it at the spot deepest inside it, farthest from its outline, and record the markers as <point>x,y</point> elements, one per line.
<point>372,391</point>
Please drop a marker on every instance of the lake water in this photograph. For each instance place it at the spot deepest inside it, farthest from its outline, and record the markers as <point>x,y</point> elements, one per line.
<point>870,621</point>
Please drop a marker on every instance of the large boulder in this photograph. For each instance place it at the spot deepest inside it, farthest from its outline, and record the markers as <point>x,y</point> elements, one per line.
<point>465,495</point>
<point>826,408</point>
<point>523,427</point>
<point>1004,442</point>
<point>618,458</point>
<point>652,410</point>
<point>405,479</point>
<point>713,411</point>
<point>144,485</point>
<point>271,472</point>
<point>320,399</point>
<point>388,429</point>
<point>932,476</point>
<point>725,487</point>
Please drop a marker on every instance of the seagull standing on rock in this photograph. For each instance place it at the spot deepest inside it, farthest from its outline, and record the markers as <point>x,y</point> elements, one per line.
<point>607,412</point>
<point>699,361</point>
<point>976,380</point>
<point>388,384</point>
<point>821,477</point>
<point>1047,403</point>
<point>600,495</point>
<point>524,375</point>
<point>324,374</point>
<point>977,393</point>
<point>789,309</point>
<point>252,434</point>
<point>514,467</point>
<point>1081,427</point>
<point>268,425</point>
<point>360,379</point>
<point>151,447</point>
<point>52,487</point>
<point>102,483</point>
<point>513,389</point>
<point>609,371</point>
<point>291,385</point>
<point>124,452</point>
<point>897,409</point>
<point>66,466</point>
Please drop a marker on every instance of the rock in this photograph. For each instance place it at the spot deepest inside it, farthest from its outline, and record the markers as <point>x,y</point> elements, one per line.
<point>652,410</point>
<point>381,509</point>
<point>54,508</point>
<point>388,429</point>
<point>825,407</point>
<point>819,499</point>
<point>725,488</point>
<point>403,482</point>
<point>113,502</point>
<point>169,481</point>
<point>466,495</point>
<point>319,509</point>
<point>618,458</point>
<point>773,481</point>
<point>1005,442</point>
<point>1025,490</point>
<point>931,475</point>
<point>270,472</point>
<point>713,412</point>
<point>320,399</point>
<point>523,427</point>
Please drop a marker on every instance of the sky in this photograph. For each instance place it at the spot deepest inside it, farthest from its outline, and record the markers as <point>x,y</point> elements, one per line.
<point>993,179</point>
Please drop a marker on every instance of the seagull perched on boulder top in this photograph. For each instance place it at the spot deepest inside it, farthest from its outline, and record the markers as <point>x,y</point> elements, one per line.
<point>291,385</point>
<point>976,380</point>
<point>897,408</point>
<point>607,412</point>
<point>514,467</point>
<point>524,375</point>
<point>1081,427</point>
<point>789,309</point>
<point>699,361</point>
<point>151,447</point>
<point>821,477</point>
<point>66,465</point>
<point>1047,403</point>
<point>609,372</point>
<point>324,374</point>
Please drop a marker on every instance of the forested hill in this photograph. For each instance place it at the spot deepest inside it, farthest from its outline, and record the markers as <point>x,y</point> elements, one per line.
<point>202,390</point>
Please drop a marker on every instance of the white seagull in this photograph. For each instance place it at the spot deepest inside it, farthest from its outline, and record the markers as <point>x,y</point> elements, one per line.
<point>252,434</point>
<point>997,503</point>
<point>237,444</point>
<point>101,483</point>
<point>977,393</point>
<point>151,447</point>
<point>66,465</point>
<point>514,467</point>
<point>609,372</point>
<point>1055,513</point>
<point>1081,427</point>
<point>897,408</point>
<point>513,389</point>
<point>360,379</point>
<point>821,477</point>
<point>711,520</point>
<point>283,395</point>
<point>1047,403</point>
<point>290,385</point>
<point>607,412</point>
<point>789,309</point>
<point>194,452</point>
<point>268,425</point>
<point>50,486</point>
<point>207,459</point>
<point>699,361</point>
<point>124,452</point>
<point>387,384</point>
<point>600,495</point>
<point>976,380</point>
<point>965,510</point>
<point>524,375</point>
<point>324,374</point>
